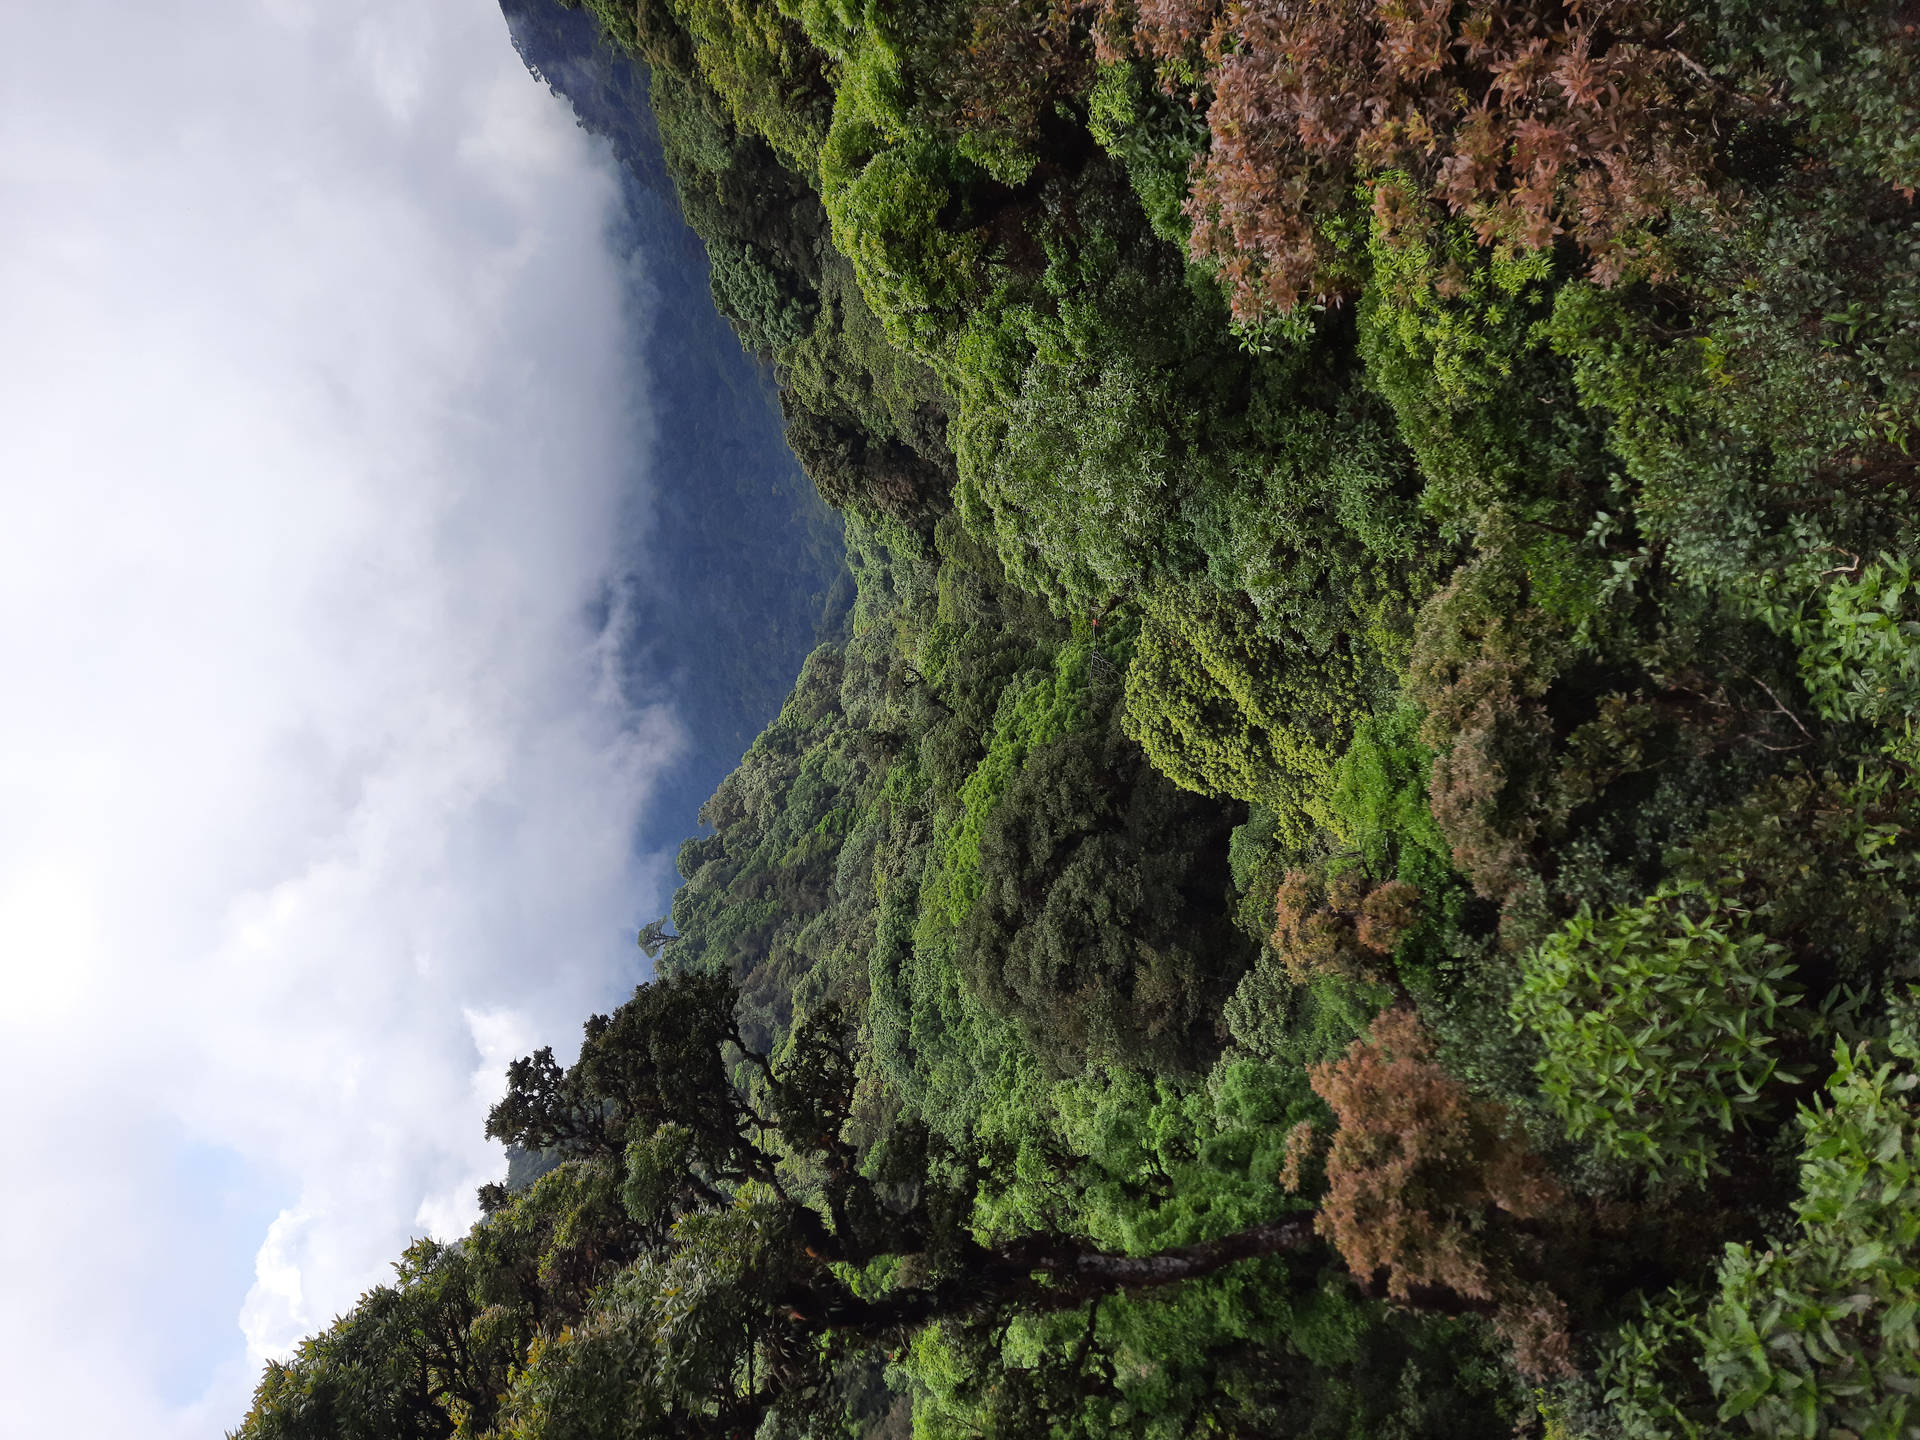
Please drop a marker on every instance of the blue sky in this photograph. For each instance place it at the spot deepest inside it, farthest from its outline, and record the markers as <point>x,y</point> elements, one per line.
<point>315,791</point>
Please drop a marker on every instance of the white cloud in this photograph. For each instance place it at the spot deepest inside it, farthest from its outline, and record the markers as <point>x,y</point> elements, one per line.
<point>316,801</point>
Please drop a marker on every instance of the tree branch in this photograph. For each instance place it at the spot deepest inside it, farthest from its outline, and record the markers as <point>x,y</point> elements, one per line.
<point>1040,1276</point>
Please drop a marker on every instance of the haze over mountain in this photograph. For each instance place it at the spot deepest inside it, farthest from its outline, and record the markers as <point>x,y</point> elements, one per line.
<point>734,569</point>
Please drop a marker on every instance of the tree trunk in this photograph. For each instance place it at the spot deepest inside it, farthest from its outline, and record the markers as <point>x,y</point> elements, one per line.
<point>1038,1275</point>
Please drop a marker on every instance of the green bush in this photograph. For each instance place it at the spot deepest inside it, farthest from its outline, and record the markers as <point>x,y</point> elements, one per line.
<point>1656,1023</point>
<point>1222,709</point>
<point>1319,523</point>
<point>1854,77</point>
<point>1857,628</point>
<point>890,206</point>
<point>1033,710</point>
<point>1793,395</point>
<point>1379,801</point>
<point>1817,1336</point>
<point>1079,477</point>
<point>1484,658</point>
<point>1824,862</point>
<point>1649,1372</point>
<point>1449,334</point>
<point>761,63</point>
<point>751,295</point>
<point>1100,927</point>
<point>1154,136</point>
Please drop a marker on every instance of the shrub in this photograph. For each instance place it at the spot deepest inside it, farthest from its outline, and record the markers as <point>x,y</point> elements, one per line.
<point>1270,1016</point>
<point>1223,709</point>
<point>752,296</point>
<point>1339,926</point>
<point>1155,137</point>
<point>1451,339</point>
<point>1818,1335</point>
<point>1790,395</point>
<point>1854,75</point>
<point>999,80</point>
<point>1098,927</point>
<point>1482,661</point>
<point>1079,477</point>
<point>890,205</point>
<point>1650,1369</point>
<point>1319,522</point>
<point>1824,1325</point>
<point>1531,121</point>
<point>1420,1178</point>
<point>761,63</point>
<point>1814,1335</point>
<point>1824,863</point>
<point>1033,710</point>
<point>1414,1163</point>
<point>1656,1023</point>
<point>1857,628</point>
<point>1378,802</point>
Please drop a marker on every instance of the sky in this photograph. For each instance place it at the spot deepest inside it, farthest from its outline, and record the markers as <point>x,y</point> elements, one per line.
<point>317,431</point>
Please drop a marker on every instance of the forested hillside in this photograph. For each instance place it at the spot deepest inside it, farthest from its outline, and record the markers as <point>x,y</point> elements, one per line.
<point>1354,874</point>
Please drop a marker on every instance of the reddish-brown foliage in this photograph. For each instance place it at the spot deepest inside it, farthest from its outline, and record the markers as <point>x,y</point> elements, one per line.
<point>1487,793</point>
<point>1386,915</point>
<point>1415,1164</point>
<point>1293,1161</point>
<point>1532,120</point>
<point>1421,1179</point>
<point>1533,1322</point>
<point>1339,926</point>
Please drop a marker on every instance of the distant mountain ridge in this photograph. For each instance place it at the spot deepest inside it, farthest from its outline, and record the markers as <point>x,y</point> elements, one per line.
<point>735,569</point>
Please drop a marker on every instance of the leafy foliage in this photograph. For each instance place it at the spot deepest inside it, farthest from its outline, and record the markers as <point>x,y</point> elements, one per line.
<point>1813,1335</point>
<point>1857,630</point>
<point>1657,1022</point>
<point>1822,1328</point>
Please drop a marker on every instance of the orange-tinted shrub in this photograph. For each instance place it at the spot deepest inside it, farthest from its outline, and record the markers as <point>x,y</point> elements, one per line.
<point>1339,926</point>
<point>1422,1179</point>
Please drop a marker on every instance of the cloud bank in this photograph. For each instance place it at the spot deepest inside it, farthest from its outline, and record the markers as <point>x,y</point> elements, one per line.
<point>316,800</point>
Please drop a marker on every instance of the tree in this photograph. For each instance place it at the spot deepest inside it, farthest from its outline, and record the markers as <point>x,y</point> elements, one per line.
<point>762,1228</point>
<point>1099,927</point>
<point>418,1360</point>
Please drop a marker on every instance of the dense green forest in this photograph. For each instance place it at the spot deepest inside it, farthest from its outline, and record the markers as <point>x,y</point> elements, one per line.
<point>1354,874</point>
